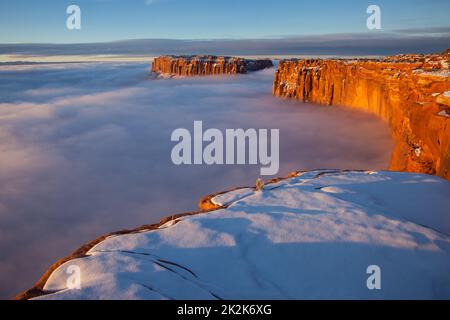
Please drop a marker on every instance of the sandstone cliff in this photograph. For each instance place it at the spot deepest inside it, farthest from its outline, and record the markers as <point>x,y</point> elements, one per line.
<point>410,92</point>
<point>206,65</point>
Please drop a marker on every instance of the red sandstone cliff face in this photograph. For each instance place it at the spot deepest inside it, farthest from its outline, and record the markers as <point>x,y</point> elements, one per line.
<point>206,65</point>
<point>410,92</point>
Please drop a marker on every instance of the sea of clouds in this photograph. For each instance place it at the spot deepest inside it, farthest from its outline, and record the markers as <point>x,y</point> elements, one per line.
<point>85,150</point>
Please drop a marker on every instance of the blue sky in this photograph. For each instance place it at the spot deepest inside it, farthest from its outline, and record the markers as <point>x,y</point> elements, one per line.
<point>43,21</point>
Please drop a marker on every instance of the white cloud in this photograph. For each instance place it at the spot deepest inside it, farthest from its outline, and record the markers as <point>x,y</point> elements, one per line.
<point>85,150</point>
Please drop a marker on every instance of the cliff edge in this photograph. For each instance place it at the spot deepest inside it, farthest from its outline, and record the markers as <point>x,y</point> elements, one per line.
<point>312,235</point>
<point>410,92</point>
<point>188,66</point>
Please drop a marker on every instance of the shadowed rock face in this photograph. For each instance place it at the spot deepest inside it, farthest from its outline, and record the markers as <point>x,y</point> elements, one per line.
<point>410,92</point>
<point>206,65</point>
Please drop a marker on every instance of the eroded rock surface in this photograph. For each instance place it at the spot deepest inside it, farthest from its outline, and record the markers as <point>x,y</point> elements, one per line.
<point>206,65</point>
<point>410,92</point>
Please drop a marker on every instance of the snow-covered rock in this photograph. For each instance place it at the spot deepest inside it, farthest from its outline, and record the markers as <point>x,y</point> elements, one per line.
<point>311,236</point>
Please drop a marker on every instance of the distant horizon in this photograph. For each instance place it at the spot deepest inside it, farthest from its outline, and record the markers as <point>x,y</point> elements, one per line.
<point>251,27</point>
<point>435,32</point>
<point>425,40</point>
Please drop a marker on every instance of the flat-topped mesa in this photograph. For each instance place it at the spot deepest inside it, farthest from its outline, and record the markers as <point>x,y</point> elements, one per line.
<point>410,92</point>
<point>206,65</point>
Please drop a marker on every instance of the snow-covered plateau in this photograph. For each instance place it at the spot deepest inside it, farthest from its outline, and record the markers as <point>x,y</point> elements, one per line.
<point>311,236</point>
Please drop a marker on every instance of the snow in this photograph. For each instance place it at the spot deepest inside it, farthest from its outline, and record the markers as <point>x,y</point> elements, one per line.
<point>446,94</point>
<point>444,113</point>
<point>441,73</point>
<point>232,196</point>
<point>307,237</point>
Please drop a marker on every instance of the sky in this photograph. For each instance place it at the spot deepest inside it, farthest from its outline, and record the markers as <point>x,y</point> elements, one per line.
<point>44,21</point>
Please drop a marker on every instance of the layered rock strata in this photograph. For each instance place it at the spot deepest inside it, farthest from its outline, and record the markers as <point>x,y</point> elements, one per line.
<point>206,65</point>
<point>410,92</point>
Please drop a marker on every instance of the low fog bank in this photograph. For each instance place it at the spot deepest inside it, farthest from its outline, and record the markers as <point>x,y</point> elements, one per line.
<point>388,42</point>
<point>85,150</point>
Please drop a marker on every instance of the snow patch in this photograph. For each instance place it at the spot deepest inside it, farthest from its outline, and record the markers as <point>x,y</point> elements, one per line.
<point>440,73</point>
<point>310,237</point>
<point>444,113</point>
<point>232,196</point>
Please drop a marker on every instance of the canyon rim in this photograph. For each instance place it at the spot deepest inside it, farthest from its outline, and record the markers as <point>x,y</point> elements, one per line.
<point>247,153</point>
<point>410,92</point>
